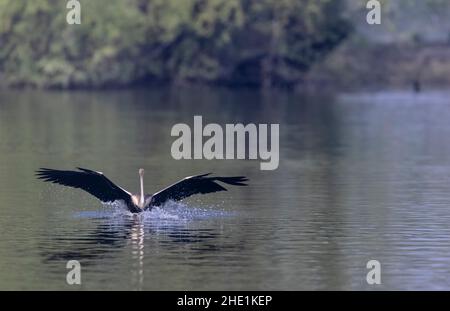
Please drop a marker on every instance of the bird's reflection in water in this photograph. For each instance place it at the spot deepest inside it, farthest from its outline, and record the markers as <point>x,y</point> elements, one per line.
<point>137,236</point>
<point>143,236</point>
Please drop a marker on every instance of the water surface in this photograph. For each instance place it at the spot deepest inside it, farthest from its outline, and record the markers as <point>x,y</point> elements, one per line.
<point>361,177</point>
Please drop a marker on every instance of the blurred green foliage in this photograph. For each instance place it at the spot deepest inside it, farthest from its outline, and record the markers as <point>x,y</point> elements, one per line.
<point>121,42</point>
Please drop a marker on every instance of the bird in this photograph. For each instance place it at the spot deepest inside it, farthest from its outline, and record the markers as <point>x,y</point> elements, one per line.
<point>98,185</point>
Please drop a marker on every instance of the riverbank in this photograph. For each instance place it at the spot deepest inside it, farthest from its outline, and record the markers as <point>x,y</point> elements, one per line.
<point>353,66</point>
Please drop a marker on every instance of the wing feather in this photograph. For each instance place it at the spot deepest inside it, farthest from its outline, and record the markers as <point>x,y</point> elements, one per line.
<point>199,184</point>
<point>95,183</point>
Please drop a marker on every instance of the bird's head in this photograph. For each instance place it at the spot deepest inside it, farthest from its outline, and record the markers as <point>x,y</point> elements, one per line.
<point>141,172</point>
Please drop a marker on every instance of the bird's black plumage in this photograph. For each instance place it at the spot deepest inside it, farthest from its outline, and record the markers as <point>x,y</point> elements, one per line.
<point>195,185</point>
<point>92,182</point>
<point>106,191</point>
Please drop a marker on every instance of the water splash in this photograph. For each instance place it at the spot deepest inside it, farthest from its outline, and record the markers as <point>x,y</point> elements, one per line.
<point>171,211</point>
<point>180,211</point>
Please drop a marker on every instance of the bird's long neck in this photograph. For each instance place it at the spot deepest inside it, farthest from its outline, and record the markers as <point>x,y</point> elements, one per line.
<point>142,189</point>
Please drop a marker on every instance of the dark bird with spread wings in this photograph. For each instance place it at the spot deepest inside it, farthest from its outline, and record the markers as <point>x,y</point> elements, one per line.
<point>106,191</point>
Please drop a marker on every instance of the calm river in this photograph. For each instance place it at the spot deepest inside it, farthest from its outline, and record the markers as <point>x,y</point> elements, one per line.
<point>361,177</point>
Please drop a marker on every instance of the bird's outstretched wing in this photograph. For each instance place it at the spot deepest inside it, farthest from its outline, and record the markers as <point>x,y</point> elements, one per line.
<point>92,182</point>
<point>195,185</point>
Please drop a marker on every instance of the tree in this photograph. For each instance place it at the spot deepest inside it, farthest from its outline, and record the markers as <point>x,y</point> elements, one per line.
<point>258,42</point>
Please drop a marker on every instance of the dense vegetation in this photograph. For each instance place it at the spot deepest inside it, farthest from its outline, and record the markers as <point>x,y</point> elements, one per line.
<point>121,42</point>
